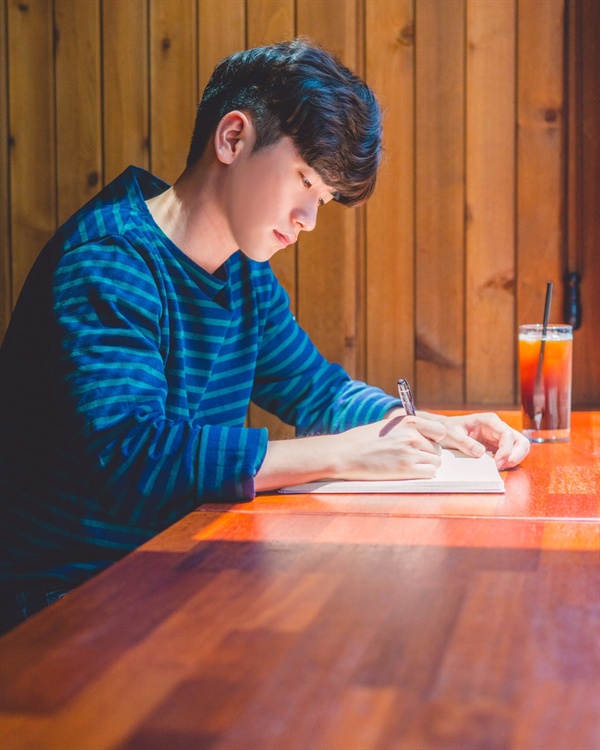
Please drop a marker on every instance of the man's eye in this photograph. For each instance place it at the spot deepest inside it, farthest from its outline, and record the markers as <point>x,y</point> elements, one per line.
<point>305,181</point>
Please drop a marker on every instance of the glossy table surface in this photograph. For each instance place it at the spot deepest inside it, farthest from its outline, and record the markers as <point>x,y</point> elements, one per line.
<point>342,622</point>
<point>556,481</point>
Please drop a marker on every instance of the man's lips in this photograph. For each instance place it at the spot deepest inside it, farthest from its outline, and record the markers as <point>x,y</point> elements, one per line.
<point>284,239</point>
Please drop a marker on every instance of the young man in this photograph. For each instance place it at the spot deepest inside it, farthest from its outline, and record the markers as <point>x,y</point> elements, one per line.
<point>152,319</point>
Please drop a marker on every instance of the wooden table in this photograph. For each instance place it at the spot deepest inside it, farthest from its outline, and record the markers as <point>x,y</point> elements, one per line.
<point>318,622</point>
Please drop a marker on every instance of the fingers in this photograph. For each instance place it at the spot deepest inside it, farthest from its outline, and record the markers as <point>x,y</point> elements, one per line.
<point>459,437</point>
<point>435,432</point>
<point>426,451</point>
<point>425,471</point>
<point>408,447</point>
<point>509,445</point>
<point>467,445</point>
<point>512,449</point>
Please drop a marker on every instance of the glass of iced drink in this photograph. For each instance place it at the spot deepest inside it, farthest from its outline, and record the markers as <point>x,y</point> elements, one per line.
<point>545,368</point>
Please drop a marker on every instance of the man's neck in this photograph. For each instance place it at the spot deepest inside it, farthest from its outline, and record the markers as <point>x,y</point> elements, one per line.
<point>190,215</point>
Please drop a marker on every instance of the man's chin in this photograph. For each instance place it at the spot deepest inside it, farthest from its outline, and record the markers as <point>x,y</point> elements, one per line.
<point>260,256</point>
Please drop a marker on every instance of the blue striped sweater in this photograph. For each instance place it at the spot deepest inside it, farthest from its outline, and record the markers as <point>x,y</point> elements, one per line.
<point>125,380</point>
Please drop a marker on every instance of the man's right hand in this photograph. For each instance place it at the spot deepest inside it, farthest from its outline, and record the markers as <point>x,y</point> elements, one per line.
<point>394,448</point>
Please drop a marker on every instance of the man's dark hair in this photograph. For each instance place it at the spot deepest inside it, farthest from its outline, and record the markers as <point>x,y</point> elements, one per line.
<point>299,90</point>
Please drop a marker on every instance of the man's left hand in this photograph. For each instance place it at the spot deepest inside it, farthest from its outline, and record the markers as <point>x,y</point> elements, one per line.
<point>473,434</point>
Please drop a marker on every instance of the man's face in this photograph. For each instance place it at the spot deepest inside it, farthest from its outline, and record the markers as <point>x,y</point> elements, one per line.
<point>273,196</point>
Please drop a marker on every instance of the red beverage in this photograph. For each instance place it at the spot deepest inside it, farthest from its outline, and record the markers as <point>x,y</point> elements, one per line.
<point>546,392</point>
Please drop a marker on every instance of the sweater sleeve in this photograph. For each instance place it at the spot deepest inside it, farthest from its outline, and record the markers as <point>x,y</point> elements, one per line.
<point>148,466</point>
<point>295,382</point>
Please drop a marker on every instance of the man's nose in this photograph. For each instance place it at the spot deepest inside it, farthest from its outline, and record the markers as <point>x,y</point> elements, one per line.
<point>305,217</point>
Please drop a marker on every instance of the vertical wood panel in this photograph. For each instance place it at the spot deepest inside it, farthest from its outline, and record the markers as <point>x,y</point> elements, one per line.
<point>390,212</point>
<point>539,149</point>
<point>440,200</point>
<point>78,113</point>
<point>271,21</point>
<point>173,84</point>
<point>125,85</point>
<point>32,131</point>
<point>490,174</point>
<point>330,259</point>
<point>583,233</point>
<point>5,279</point>
<point>444,187</point>
<point>586,370</point>
<point>222,30</point>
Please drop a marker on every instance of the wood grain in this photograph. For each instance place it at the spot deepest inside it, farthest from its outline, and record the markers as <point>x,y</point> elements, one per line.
<point>490,200</point>
<point>270,21</point>
<point>539,166</point>
<point>474,110</point>
<point>330,258</point>
<point>78,149</point>
<point>263,629</point>
<point>280,631</point>
<point>221,28</point>
<point>583,154</point>
<point>390,302</point>
<point>31,78</point>
<point>125,116</point>
<point>440,196</point>
<point>173,84</point>
<point>6,304</point>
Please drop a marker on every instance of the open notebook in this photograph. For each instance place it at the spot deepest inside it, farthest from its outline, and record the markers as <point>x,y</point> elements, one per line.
<point>458,473</point>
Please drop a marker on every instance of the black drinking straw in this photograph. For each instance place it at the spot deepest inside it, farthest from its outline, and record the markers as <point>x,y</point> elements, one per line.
<point>538,396</point>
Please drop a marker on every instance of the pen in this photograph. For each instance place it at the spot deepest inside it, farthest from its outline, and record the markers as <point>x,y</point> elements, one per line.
<point>406,396</point>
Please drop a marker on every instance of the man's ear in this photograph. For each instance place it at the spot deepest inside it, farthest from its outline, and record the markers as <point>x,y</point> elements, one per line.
<point>234,133</point>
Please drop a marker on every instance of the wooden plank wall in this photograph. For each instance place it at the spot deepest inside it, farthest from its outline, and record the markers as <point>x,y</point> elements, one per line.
<point>474,209</point>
